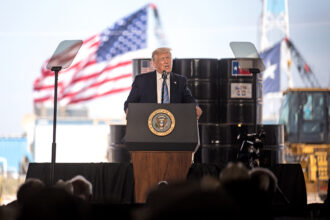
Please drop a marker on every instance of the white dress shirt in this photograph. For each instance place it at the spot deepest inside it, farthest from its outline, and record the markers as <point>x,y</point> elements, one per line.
<point>160,84</point>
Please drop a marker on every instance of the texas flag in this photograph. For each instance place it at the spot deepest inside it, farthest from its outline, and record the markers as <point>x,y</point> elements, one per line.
<point>271,75</point>
<point>237,71</point>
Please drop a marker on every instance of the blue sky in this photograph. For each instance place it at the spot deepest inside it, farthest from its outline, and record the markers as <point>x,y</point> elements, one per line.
<point>30,31</point>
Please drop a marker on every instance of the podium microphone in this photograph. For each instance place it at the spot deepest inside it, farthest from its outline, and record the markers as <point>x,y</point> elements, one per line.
<point>164,76</point>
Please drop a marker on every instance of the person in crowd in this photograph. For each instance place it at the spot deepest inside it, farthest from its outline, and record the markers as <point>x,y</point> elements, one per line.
<point>82,188</point>
<point>78,186</point>
<point>8,212</point>
<point>245,190</point>
<point>24,194</point>
<point>148,87</point>
<point>264,183</point>
<point>29,189</point>
<point>188,200</point>
<point>66,185</point>
<point>54,203</point>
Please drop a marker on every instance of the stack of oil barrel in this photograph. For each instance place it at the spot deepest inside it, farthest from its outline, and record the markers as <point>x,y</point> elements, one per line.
<point>227,97</point>
<point>202,79</point>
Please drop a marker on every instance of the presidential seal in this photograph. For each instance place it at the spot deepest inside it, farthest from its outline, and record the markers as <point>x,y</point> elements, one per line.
<point>161,122</point>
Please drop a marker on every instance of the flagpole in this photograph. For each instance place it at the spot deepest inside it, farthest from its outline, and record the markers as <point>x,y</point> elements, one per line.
<point>55,69</point>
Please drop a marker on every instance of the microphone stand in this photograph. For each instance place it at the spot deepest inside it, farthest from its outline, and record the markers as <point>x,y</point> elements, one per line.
<point>255,103</point>
<point>56,69</point>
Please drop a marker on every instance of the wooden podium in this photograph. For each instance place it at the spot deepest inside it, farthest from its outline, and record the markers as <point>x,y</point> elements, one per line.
<point>151,167</point>
<point>160,151</point>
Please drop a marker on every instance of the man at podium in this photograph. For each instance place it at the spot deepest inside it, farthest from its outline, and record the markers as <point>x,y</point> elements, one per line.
<point>161,85</point>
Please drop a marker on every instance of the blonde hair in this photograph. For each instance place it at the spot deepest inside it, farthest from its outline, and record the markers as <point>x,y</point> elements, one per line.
<point>160,50</point>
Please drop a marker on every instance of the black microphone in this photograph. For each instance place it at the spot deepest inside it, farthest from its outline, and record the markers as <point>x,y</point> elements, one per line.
<point>164,76</point>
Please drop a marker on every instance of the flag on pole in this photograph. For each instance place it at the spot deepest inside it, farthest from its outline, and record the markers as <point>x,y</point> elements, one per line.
<point>102,67</point>
<point>272,96</point>
<point>271,75</point>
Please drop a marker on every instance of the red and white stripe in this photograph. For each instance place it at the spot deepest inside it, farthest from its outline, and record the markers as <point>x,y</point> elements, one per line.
<point>86,79</point>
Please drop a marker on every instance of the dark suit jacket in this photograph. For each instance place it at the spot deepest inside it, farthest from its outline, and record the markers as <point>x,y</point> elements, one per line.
<point>144,89</point>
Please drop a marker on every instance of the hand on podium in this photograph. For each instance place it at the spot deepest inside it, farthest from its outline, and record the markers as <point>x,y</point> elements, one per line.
<point>199,112</point>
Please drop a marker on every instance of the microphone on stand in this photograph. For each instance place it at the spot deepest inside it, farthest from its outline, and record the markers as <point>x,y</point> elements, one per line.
<point>164,76</point>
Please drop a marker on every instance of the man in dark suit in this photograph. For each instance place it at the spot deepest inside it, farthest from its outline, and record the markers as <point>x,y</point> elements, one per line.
<point>147,87</point>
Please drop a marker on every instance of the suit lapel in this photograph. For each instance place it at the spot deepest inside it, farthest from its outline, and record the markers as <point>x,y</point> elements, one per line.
<point>173,88</point>
<point>153,87</point>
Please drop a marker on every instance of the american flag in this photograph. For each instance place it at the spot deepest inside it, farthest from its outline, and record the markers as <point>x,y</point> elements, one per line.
<point>103,65</point>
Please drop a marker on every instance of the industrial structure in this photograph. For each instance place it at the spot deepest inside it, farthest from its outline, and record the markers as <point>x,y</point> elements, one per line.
<point>304,108</point>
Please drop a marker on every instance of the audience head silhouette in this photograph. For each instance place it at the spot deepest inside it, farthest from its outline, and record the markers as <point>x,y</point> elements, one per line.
<point>28,190</point>
<point>82,188</point>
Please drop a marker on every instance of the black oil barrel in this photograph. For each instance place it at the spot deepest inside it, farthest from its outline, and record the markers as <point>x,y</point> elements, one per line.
<point>117,151</point>
<point>141,66</point>
<point>273,149</point>
<point>202,80</point>
<point>237,94</point>
<point>219,144</point>
<point>196,68</point>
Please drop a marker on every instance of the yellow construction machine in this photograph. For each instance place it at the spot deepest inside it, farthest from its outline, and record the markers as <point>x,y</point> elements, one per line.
<point>305,112</point>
